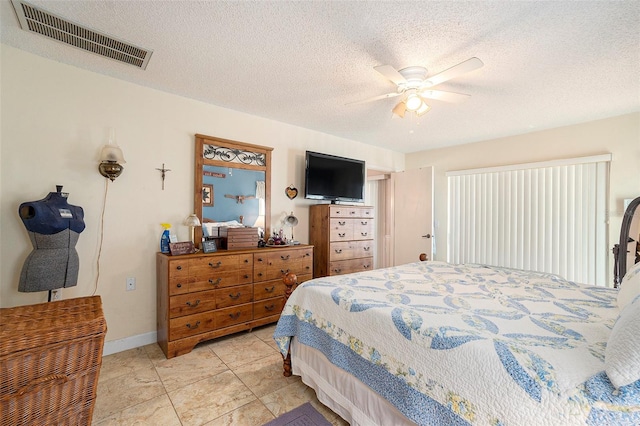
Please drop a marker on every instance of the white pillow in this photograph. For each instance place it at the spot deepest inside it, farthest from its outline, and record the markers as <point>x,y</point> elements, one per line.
<point>622,354</point>
<point>629,287</point>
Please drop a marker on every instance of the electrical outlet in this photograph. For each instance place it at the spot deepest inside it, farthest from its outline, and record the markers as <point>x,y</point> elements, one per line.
<point>56,295</point>
<point>131,283</point>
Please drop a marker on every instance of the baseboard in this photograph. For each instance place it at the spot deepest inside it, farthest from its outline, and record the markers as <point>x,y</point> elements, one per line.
<point>127,343</point>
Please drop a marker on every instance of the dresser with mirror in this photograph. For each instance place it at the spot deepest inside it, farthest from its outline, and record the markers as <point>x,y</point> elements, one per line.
<point>203,296</point>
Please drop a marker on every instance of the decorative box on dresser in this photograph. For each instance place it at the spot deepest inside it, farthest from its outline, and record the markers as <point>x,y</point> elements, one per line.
<point>205,296</point>
<point>342,237</point>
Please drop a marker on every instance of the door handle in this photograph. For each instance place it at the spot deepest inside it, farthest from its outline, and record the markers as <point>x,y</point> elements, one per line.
<point>426,236</point>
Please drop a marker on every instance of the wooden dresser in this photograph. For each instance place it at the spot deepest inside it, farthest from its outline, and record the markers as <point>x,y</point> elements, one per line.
<point>342,237</point>
<point>204,296</point>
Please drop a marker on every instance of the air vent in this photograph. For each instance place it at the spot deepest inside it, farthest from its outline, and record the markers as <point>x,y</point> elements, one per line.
<point>40,21</point>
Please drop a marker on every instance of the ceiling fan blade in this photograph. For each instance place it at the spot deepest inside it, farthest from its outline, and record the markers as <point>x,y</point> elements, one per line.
<point>454,71</point>
<point>399,109</point>
<point>439,95</point>
<point>391,73</point>
<point>376,98</point>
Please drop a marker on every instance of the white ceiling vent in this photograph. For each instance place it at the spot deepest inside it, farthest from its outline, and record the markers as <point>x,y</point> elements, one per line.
<point>40,21</point>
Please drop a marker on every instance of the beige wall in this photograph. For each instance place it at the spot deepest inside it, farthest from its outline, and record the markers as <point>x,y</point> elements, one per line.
<point>55,118</point>
<point>619,136</point>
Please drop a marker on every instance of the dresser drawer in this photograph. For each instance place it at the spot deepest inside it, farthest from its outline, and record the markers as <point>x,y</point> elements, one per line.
<point>178,268</point>
<point>362,229</point>
<point>231,296</point>
<point>216,264</point>
<point>283,258</point>
<point>340,229</point>
<point>221,279</point>
<point>268,307</point>
<point>180,285</point>
<point>191,325</point>
<point>192,303</point>
<point>341,250</point>
<point>363,248</point>
<point>234,315</point>
<point>352,265</point>
<point>268,289</point>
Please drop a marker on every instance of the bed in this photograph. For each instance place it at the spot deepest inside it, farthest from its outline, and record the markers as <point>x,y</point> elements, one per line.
<point>440,344</point>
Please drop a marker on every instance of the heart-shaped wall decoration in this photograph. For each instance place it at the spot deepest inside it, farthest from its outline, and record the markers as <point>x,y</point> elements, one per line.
<point>291,192</point>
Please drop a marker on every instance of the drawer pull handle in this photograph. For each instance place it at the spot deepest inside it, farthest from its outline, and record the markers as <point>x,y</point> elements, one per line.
<point>270,307</point>
<point>235,316</point>
<point>342,235</point>
<point>337,211</point>
<point>337,271</point>
<point>216,282</point>
<point>366,266</point>
<point>270,290</point>
<point>285,257</point>
<point>338,251</point>
<point>193,305</point>
<point>366,248</point>
<point>342,223</point>
<point>246,276</point>
<point>259,274</point>
<point>364,222</point>
<point>179,268</point>
<point>179,285</point>
<point>193,327</point>
<point>246,261</point>
<point>307,254</point>
<point>235,296</point>
<point>364,234</point>
<point>285,272</point>
<point>260,259</point>
<point>217,265</point>
<point>352,212</point>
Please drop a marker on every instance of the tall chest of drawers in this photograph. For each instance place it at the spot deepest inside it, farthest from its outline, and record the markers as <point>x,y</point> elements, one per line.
<point>343,238</point>
<point>205,296</point>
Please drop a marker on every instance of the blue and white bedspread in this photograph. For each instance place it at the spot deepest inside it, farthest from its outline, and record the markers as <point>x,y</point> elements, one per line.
<point>468,344</point>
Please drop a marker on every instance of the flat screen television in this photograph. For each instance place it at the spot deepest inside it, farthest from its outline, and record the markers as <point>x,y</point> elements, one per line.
<point>332,178</point>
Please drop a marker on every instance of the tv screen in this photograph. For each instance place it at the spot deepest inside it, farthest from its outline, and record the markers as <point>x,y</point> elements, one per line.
<point>333,178</point>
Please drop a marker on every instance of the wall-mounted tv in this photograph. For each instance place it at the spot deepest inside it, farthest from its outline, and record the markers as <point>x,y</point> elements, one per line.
<point>332,178</point>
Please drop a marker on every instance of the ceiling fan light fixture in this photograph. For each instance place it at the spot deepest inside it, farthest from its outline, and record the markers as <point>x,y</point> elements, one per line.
<point>424,108</point>
<point>413,102</point>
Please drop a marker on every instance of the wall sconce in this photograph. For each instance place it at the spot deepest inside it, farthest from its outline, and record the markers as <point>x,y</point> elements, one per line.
<point>111,160</point>
<point>192,221</point>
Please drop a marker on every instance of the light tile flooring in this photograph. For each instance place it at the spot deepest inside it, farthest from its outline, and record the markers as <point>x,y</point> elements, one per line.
<point>233,380</point>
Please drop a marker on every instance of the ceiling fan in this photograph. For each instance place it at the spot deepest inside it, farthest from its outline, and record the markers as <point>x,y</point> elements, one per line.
<point>415,86</point>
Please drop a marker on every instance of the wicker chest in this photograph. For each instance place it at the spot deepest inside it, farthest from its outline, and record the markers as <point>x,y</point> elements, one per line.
<point>50,358</point>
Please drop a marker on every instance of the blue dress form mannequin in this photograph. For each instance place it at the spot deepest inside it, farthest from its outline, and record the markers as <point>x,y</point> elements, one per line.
<point>54,227</point>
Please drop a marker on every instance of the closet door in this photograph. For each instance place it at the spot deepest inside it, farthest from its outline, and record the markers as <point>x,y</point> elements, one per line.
<point>413,214</point>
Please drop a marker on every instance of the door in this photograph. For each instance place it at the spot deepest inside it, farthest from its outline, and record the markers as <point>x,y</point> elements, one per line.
<point>413,215</point>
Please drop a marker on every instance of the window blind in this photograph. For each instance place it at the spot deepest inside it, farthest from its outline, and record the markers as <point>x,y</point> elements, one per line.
<point>547,217</point>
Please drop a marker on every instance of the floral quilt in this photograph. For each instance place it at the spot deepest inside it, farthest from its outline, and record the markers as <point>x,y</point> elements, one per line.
<point>468,344</point>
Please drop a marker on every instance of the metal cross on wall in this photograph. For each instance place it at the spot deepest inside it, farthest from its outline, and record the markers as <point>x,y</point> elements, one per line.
<point>163,172</point>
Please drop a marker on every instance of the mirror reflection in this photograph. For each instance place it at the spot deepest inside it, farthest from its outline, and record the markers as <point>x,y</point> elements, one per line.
<point>230,194</point>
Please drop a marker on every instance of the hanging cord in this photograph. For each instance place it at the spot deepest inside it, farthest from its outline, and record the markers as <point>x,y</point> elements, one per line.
<point>104,206</point>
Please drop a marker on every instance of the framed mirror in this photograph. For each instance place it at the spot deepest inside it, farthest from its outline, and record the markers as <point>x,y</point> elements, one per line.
<point>232,185</point>
<point>627,251</point>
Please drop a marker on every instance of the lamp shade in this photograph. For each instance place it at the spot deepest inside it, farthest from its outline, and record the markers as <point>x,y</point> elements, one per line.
<point>112,152</point>
<point>192,220</point>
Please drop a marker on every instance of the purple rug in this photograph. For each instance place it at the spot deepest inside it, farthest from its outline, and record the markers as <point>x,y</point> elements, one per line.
<point>304,415</point>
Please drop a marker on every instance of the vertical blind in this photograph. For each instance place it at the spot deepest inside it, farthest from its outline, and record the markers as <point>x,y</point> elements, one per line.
<point>547,217</point>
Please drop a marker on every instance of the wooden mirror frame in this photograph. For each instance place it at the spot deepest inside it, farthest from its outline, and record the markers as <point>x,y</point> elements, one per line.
<point>620,250</point>
<point>236,148</point>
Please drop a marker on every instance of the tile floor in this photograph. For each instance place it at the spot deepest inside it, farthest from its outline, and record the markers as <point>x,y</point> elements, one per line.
<point>233,380</point>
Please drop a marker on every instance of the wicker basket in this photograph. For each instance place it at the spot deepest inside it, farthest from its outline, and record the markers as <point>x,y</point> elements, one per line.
<point>50,358</point>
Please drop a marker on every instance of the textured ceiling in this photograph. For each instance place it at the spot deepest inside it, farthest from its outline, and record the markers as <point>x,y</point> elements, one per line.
<point>547,63</point>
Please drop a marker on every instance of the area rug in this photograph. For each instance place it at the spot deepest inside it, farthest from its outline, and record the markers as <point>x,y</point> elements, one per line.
<point>304,415</point>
